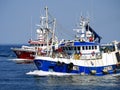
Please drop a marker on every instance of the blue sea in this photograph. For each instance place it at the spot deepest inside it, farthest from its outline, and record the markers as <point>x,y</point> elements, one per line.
<point>13,77</point>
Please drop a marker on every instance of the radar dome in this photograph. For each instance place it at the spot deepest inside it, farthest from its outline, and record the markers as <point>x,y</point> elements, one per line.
<point>38,31</point>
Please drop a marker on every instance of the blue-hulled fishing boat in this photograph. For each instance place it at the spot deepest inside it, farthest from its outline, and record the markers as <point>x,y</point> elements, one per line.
<point>83,55</point>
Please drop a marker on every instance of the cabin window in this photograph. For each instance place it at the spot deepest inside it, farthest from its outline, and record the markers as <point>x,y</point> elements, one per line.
<point>78,48</point>
<point>75,48</point>
<point>66,48</point>
<point>92,47</point>
<point>89,47</point>
<point>95,47</point>
<point>83,48</point>
<point>118,46</point>
<point>86,47</point>
<point>113,48</point>
<point>70,48</point>
<point>63,48</point>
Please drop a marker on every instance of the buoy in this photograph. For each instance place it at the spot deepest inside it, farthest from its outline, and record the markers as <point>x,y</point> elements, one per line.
<point>70,66</point>
<point>93,72</point>
<point>105,71</point>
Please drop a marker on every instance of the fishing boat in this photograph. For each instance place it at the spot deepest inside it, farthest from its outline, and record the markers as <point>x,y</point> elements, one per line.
<point>83,55</point>
<point>41,45</point>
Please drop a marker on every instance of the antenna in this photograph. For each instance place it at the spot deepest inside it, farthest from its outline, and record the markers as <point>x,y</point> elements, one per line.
<point>31,29</point>
<point>88,18</point>
<point>88,15</point>
<point>81,15</point>
<point>46,9</point>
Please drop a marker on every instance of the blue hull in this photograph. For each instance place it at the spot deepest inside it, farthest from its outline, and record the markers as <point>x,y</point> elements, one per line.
<point>70,68</point>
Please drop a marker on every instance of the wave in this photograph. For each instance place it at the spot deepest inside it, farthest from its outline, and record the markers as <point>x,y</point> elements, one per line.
<point>46,73</point>
<point>21,61</point>
<point>51,73</point>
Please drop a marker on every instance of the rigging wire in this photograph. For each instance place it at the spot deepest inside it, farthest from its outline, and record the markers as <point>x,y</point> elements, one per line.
<point>61,31</point>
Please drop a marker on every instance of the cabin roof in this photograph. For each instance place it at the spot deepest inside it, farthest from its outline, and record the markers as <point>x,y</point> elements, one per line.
<point>77,43</point>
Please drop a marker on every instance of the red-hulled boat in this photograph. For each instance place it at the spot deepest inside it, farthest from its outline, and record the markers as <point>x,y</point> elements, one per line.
<point>25,52</point>
<point>42,44</point>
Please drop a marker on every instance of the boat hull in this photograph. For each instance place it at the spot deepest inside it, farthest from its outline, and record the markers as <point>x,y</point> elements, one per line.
<point>62,67</point>
<point>28,55</point>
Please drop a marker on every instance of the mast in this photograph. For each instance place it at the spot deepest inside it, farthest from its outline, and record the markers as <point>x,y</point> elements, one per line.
<point>53,35</point>
<point>46,21</point>
<point>81,32</point>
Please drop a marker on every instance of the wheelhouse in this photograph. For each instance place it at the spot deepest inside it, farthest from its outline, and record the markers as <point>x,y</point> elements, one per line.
<point>85,49</point>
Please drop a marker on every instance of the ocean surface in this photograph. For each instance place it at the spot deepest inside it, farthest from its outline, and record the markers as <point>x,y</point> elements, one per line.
<point>13,77</point>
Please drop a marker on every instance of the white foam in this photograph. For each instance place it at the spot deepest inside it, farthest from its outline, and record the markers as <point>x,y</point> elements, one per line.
<point>118,74</point>
<point>48,73</point>
<point>18,60</point>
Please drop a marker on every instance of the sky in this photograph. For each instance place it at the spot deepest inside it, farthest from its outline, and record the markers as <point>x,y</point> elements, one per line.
<point>18,18</point>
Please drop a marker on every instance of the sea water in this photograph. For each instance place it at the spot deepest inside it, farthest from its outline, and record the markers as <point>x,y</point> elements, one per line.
<point>15,76</point>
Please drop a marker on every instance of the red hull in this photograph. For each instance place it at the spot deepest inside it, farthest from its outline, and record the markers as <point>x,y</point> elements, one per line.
<point>30,55</point>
